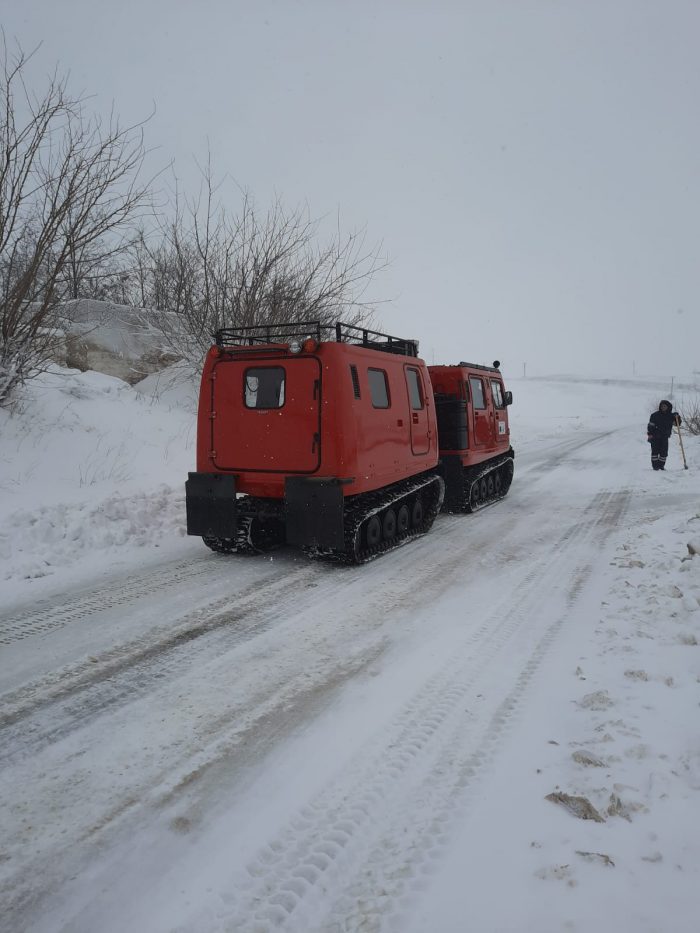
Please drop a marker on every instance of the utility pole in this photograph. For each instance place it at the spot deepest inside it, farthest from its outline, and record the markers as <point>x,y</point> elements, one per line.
<point>524,370</point>
<point>672,378</point>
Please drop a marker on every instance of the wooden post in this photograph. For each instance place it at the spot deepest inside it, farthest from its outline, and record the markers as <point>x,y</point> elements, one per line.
<point>680,441</point>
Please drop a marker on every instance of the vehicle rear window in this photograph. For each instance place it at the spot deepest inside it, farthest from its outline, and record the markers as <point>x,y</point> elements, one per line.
<point>378,388</point>
<point>415,390</point>
<point>477,390</point>
<point>263,387</point>
<point>497,393</point>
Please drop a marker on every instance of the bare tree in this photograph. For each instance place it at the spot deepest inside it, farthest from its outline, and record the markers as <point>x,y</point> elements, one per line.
<point>99,270</point>
<point>69,185</point>
<point>208,268</point>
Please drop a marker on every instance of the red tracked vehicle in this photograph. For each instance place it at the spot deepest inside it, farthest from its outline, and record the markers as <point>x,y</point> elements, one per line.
<point>476,457</point>
<point>329,433</point>
<point>326,437</point>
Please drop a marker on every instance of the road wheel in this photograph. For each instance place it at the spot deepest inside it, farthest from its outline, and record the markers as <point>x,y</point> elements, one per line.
<point>474,499</point>
<point>389,525</point>
<point>265,535</point>
<point>403,519</point>
<point>490,485</point>
<point>483,490</point>
<point>417,513</point>
<point>373,535</point>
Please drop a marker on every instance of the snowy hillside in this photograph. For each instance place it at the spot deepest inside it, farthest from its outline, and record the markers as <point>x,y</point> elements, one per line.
<point>492,728</point>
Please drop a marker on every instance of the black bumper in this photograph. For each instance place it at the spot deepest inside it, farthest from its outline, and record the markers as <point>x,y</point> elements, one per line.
<point>211,505</point>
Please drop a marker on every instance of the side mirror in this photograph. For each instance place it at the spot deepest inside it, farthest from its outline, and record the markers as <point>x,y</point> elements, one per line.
<point>509,398</point>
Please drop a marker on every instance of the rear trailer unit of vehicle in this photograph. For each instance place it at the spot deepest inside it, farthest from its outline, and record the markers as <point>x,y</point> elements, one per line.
<point>323,437</point>
<point>476,457</point>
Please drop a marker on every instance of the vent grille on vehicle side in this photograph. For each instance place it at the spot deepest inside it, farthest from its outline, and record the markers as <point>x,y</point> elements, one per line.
<point>355,381</point>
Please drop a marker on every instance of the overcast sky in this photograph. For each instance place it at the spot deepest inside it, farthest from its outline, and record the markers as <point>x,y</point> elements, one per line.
<point>532,167</point>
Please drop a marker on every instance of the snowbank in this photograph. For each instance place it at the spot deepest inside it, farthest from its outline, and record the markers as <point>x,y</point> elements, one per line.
<point>91,469</point>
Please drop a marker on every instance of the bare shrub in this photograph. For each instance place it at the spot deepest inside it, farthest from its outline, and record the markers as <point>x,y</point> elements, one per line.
<point>207,268</point>
<point>689,410</point>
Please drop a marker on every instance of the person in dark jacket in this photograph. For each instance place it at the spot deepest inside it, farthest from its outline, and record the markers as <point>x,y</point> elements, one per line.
<point>659,430</point>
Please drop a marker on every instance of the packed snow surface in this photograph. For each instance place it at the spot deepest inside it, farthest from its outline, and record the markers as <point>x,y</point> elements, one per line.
<point>493,728</point>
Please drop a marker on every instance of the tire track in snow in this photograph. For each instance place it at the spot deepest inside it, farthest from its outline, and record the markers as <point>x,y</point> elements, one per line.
<point>42,713</point>
<point>50,614</point>
<point>555,455</point>
<point>49,709</point>
<point>350,843</point>
<point>401,857</point>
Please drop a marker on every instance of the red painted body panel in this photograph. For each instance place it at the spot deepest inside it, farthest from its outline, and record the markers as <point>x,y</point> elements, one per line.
<point>488,430</point>
<point>317,426</point>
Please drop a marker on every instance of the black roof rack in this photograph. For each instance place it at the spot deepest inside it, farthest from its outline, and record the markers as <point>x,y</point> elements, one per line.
<point>266,334</point>
<point>463,363</point>
<point>488,369</point>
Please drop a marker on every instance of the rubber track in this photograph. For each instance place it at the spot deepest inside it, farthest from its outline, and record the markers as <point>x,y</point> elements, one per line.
<point>472,475</point>
<point>492,467</point>
<point>372,503</point>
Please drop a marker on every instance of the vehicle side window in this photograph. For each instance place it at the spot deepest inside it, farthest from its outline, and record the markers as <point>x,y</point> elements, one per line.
<point>415,390</point>
<point>263,387</point>
<point>477,390</point>
<point>378,388</point>
<point>497,394</point>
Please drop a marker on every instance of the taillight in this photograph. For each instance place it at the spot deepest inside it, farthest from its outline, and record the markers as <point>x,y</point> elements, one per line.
<point>310,345</point>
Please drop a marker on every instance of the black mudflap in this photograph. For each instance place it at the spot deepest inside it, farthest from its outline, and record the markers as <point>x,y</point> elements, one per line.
<point>314,512</point>
<point>453,474</point>
<point>211,505</point>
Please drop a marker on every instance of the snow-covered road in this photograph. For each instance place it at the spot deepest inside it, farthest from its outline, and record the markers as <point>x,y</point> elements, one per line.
<point>216,743</point>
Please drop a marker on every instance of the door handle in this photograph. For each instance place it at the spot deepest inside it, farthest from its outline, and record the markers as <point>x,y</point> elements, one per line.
<point>415,418</point>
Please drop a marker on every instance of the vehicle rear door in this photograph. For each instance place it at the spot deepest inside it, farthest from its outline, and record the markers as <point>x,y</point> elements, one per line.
<point>266,414</point>
<point>418,412</point>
